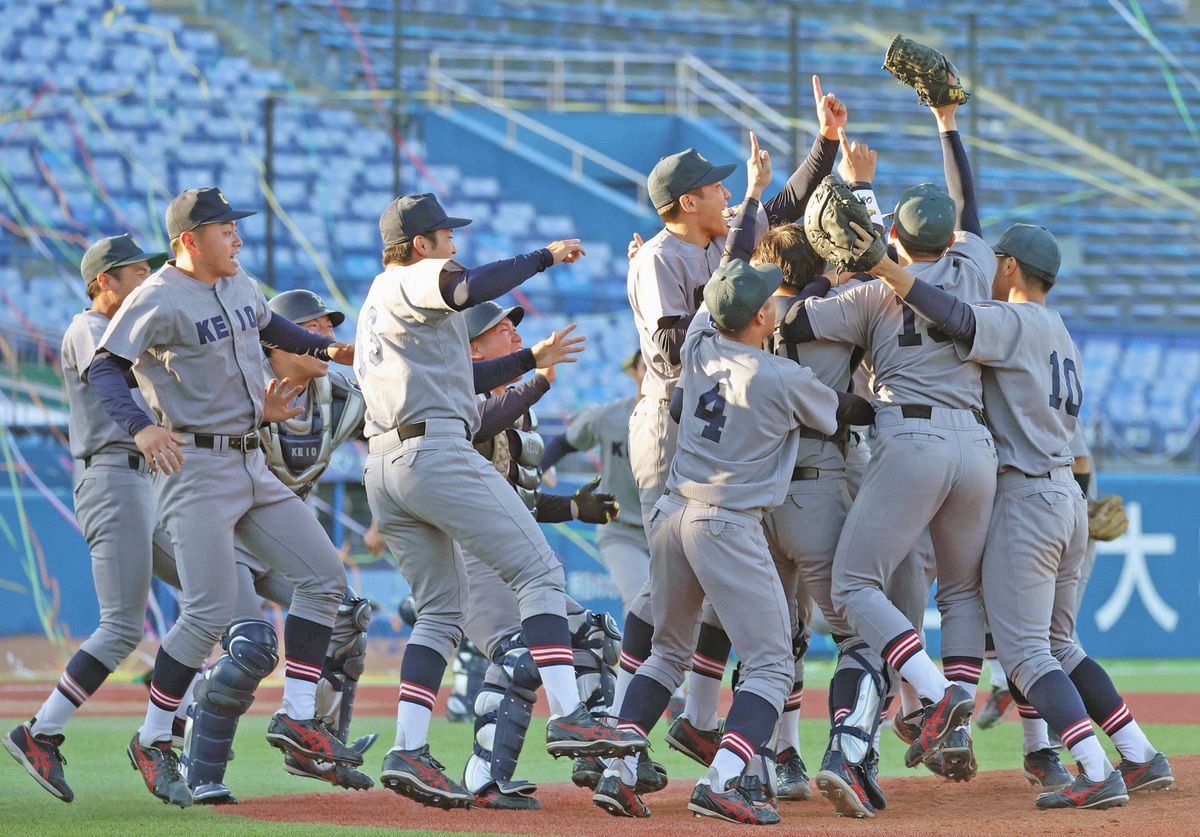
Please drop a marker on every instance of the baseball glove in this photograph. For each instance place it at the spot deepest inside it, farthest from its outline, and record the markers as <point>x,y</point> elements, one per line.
<point>1106,518</point>
<point>927,71</point>
<point>827,225</point>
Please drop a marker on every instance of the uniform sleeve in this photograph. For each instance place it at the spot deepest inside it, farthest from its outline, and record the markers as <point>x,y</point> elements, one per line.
<point>842,318</point>
<point>978,253</point>
<point>581,432</point>
<point>999,335</point>
<point>660,291</point>
<point>79,344</point>
<point>140,323</point>
<point>424,290</point>
<point>809,401</point>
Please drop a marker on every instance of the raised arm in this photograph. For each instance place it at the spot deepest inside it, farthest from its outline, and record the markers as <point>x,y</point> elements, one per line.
<point>739,244</point>
<point>959,181</point>
<point>788,206</point>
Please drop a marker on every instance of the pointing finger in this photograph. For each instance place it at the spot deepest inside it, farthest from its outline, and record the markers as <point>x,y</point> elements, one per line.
<point>817,94</point>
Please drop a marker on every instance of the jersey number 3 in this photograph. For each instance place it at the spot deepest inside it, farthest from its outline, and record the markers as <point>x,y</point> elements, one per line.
<point>1069,378</point>
<point>374,352</point>
<point>710,409</point>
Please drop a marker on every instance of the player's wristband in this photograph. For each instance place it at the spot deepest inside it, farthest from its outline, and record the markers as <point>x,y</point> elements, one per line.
<point>574,510</point>
<point>866,194</point>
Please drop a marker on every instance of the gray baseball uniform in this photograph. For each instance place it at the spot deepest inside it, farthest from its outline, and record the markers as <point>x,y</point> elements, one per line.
<point>622,543</point>
<point>196,355</point>
<point>114,503</point>
<point>737,446</point>
<point>933,460</point>
<point>414,366</point>
<point>1033,388</point>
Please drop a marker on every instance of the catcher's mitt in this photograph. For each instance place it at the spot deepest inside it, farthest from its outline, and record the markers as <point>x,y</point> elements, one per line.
<point>927,71</point>
<point>827,225</point>
<point>1106,518</point>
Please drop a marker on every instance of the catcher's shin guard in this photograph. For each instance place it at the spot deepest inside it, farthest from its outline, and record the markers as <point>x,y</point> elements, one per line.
<point>345,662</point>
<point>469,666</point>
<point>223,696</point>
<point>596,641</point>
<point>853,731</point>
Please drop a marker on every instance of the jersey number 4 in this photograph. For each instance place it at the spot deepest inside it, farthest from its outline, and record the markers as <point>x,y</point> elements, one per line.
<point>1069,378</point>
<point>710,409</point>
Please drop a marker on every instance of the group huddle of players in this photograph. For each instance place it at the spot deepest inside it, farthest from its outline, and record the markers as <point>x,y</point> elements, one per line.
<point>835,408</point>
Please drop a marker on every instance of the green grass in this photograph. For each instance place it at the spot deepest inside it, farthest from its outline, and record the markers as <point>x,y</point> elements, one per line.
<point>111,801</point>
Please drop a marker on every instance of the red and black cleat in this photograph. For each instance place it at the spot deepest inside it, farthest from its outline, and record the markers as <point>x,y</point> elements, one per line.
<point>941,718</point>
<point>1084,793</point>
<point>419,776</point>
<point>840,784</point>
<point>581,734</point>
<point>40,756</point>
<point>159,767</point>
<point>700,745</point>
<point>310,738</point>
<point>1147,775</point>
<point>741,802</point>
<point>618,798</point>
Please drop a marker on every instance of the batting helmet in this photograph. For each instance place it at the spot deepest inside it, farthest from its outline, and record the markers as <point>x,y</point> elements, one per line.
<point>301,305</point>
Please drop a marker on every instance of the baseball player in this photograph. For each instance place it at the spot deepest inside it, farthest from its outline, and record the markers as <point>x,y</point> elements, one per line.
<point>115,510</point>
<point>297,451</point>
<point>738,435</point>
<point>422,472</point>
<point>1033,389</point>
<point>508,438</point>
<point>931,440</point>
<point>191,333</point>
<point>605,428</point>
<point>664,286</point>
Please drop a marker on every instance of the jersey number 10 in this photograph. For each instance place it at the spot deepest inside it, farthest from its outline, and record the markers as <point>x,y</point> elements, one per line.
<point>1069,378</point>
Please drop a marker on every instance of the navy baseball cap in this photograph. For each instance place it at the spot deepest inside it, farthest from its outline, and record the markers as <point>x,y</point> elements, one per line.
<point>116,251</point>
<point>302,305</point>
<point>677,174</point>
<point>925,217</point>
<point>411,215</point>
<point>196,207</point>
<point>1031,245</point>
<point>736,291</point>
<point>488,315</point>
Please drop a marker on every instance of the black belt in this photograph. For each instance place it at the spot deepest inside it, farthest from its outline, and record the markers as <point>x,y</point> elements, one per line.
<point>924,411</point>
<point>809,433</point>
<point>133,461</point>
<point>801,474</point>
<point>412,431</point>
<point>1044,476</point>
<point>245,442</point>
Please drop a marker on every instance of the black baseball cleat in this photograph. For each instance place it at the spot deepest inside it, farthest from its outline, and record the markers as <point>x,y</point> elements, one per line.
<point>651,776</point>
<point>740,802</point>
<point>994,708</point>
<point>868,777</point>
<point>1084,793</point>
<point>41,758</point>
<point>908,727</point>
<point>790,776</point>
<point>958,756</point>
<point>1150,775</point>
<point>618,798</point>
<point>494,799</point>
<point>840,783</point>
<point>213,793</point>
<point>1045,771</point>
<point>310,738</point>
<point>940,719</point>
<point>419,776</point>
<point>159,767</point>
<point>338,775</point>
<point>700,745</point>
<point>581,734</point>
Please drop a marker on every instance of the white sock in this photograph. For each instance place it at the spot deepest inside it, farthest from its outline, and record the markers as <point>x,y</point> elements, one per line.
<point>1132,743</point>
<point>1090,756</point>
<point>701,704</point>
<point>624,678</point>
<point>412,725</point>
<point>789,731</point>
<point>299,699</point>
<point>726,766</point>
<point>1035,734</point>
<point>157,726</point>
<point>561,691</point>
<point>53,715</point>
<point>998,677</point>
<point>924,676</point>
<point>972,688</point>
<point>910,701</point>
<point>189,697</point>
